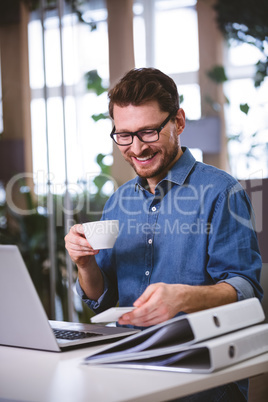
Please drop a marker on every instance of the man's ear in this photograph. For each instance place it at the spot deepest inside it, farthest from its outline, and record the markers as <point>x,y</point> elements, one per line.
<point>180,120</point>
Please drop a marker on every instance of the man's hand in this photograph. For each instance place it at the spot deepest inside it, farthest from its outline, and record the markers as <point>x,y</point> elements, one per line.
<point>161,301</point>
<point>83,255</point>
<point>78,247</point>
<point>158,303</point>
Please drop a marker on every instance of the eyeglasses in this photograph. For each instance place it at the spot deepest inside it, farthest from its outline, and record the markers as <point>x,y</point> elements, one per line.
<point>146,135</point>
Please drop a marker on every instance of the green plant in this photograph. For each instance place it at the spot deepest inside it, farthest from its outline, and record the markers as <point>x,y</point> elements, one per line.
<point>243,21</point>
<point>246,21</point>
<point>218,75</point>
<point>75,6</point>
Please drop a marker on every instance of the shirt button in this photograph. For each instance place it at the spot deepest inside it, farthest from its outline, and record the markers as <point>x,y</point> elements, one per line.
<point>150,241</point>
<point>154,209</point>
<point>147,273</point>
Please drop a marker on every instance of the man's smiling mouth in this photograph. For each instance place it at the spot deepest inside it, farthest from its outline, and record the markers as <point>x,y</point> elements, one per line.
<point>145,158</point>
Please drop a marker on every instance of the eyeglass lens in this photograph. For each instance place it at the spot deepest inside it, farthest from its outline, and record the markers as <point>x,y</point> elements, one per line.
<point>144,136</point>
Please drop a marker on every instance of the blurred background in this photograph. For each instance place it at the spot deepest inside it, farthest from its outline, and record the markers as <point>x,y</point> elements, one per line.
<point>58,165</point>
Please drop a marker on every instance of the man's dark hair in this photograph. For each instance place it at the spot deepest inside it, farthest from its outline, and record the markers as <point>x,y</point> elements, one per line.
<point>143,85</point>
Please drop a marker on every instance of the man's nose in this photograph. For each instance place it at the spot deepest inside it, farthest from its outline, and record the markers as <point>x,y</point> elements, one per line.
<point>138,146</point>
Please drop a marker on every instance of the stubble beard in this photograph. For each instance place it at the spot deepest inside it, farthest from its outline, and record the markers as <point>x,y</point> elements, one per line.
<point>165,163</point>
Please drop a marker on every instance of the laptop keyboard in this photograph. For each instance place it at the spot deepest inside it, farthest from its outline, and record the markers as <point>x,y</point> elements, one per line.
<point>72,335</point>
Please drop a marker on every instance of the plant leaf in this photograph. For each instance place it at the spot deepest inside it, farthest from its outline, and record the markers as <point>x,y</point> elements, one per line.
<point>94,82</point>
<point>217,74</point>
<point>244,108</point>
<point>100,116</point>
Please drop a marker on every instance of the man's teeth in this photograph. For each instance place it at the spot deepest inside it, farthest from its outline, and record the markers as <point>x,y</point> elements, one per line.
<point>144,159</point>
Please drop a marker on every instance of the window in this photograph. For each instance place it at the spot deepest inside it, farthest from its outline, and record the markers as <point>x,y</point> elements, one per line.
<point>66,108</point>
<point>65,139</point>
<point>247,133</point>
<point>164,31</point>
<point>174,34</point>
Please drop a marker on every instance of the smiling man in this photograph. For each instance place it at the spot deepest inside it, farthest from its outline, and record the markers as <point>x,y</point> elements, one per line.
<point>150,154</point>
<point>186,240</point>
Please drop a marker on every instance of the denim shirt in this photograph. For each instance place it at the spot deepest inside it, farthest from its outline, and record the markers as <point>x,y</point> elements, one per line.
<point>197,229</point>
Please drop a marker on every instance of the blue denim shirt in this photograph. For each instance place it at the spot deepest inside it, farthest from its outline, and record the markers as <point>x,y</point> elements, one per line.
<point>196,229</point>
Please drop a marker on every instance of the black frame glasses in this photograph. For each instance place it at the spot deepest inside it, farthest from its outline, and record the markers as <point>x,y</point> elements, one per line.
<point>141,133</point>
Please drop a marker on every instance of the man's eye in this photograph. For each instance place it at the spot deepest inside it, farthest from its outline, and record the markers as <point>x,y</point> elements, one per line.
<point>147,132</point>
<point>124,136</point>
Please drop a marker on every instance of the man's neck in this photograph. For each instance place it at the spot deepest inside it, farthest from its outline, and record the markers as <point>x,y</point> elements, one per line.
<point>152,182</point>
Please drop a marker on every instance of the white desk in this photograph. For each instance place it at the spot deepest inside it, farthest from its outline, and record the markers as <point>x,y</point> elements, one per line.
<point>29,375</point>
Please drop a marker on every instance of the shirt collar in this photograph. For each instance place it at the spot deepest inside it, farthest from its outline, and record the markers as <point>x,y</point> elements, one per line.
<point>178,173</point>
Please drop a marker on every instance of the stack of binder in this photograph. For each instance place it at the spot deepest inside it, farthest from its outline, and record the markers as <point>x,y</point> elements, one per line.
<point>200,342</point>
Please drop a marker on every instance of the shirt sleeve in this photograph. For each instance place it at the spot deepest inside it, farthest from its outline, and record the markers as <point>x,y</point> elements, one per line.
<point>233,250</point>
<point>92,304</point>
<point>243,288</point>
<point>105,301</point>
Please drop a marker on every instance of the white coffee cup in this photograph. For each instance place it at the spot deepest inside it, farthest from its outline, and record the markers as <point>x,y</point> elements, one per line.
<point>101,234</point>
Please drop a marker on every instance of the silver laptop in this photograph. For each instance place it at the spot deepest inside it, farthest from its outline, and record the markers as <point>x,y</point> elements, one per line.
<point>23,321</point>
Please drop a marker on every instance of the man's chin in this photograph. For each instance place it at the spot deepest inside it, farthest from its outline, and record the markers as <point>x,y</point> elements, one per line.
<point>146,174</point>
<point>139,170</point>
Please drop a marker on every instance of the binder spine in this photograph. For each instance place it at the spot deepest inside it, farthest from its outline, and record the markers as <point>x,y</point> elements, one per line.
<point>221,320</point>
<point>244,345</point>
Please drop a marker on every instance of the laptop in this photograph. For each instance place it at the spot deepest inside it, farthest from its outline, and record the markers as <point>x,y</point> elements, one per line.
<point>24,322</point>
